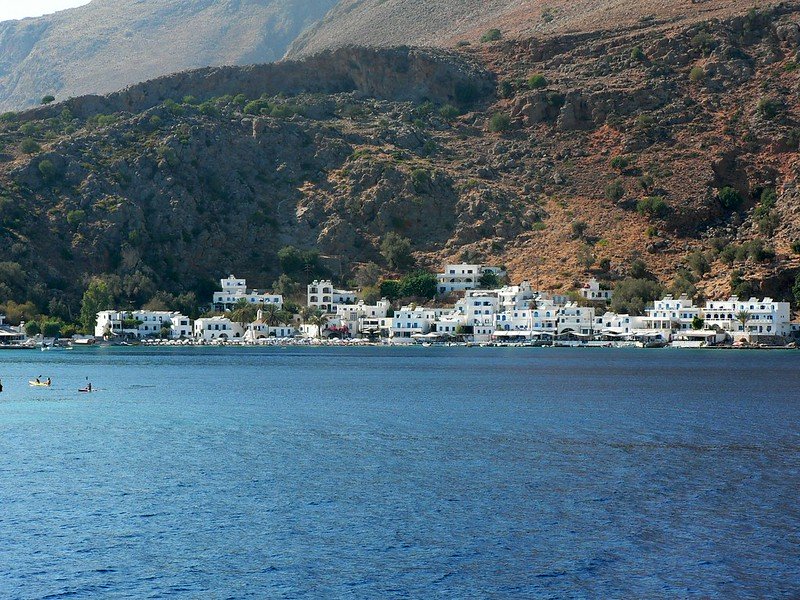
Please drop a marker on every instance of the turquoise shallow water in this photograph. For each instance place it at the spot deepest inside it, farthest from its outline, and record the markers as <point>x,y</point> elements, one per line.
<point>400,473</point>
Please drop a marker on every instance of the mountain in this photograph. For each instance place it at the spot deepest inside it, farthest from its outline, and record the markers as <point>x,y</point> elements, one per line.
<point>108,44</point>
<point>445,22</point>
<point>665,151</point>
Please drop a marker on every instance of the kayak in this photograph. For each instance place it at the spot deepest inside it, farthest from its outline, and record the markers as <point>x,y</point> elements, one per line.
<point>38,384</point>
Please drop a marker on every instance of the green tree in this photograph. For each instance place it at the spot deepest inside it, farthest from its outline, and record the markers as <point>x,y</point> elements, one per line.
<point>97,297</point>
<point>320,321</point>
<point>243,312</point>
<point>632,295</point>
<point>743,317</point>
<point>729,198</point>
<point>397,251</point>
<point>390,289</point>
<point>32,328</point>
<point>489,281</point>
<point>368,274</point>
<point>796,290</point>
<point>47,170</point>
<point>49,99</point>
<point>418,285</point>
<point>51,328</point>
<point>697,323</point>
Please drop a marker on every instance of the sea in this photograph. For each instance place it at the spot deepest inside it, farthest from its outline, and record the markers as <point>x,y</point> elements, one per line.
<point>400,473</point>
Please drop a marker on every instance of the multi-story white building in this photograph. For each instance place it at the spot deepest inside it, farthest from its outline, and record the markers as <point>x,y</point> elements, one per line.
<point>665,317</point>
<point>217,328</point>
<point>763,317</point>
<point>322,295</point>
<point>593,291</point>
<point>363,318</point>
<point>142,324</point>
<point>235,289</point>
<point>516,296</point>
<point>462,276</point>
<point>576,320</point>
<point>413,320</point>
<point>479,308</point>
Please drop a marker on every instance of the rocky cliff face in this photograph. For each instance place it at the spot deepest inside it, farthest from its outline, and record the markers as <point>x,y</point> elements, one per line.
<point>108,44</point>
<point>676,145</point>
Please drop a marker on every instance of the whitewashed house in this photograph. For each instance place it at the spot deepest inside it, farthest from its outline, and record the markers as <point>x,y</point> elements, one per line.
<point>217,328</point>
<point>235,289</point>
<point>142,324</point>
<point>592,290</point>
<point>463,276</point>
<point>575,320</point>
<point>322,295</point>
<point>363,319</point>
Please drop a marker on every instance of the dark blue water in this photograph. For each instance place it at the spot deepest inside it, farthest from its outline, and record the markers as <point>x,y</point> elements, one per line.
<point>404,473</point>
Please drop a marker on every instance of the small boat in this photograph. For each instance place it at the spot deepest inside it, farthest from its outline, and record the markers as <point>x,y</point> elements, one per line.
<point>39,384</point>
<point>87,389</point>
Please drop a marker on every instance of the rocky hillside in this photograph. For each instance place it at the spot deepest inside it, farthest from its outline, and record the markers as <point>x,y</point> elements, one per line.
<point>667,151</point>
<point>108,44</point>
<point>445,22</point>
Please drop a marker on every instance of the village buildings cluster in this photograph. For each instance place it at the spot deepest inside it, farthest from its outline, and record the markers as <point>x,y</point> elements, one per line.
<point>511,313</point>
<point>508,314</point>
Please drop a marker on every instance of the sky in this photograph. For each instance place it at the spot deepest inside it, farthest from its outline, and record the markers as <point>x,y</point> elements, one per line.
<point>18,9</point>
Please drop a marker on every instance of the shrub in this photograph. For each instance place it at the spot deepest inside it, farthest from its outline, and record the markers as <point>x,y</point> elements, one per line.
<point>796,246</point>
<point>729,198</point>
<point>421,179</point>
<point>652,206</point>
<point>698,263</point>
<point>492,35</point>
<point>637,53</point>
<point>449,112</point>
<point>578,229</point>
<point>769,107</point>
<point>620,162</point>
<point>29,146</point>
<point>76,217</point>
<point>615,190</point>
<point>697,74</point>
<point>462,43</point>
<point>49,99</point>
<point>499,122</point>
<point>537,81</point>
<point>47,170</point>
<point>505,89</point>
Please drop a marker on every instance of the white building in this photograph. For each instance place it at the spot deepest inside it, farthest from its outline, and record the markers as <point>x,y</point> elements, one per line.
<point>235,289</point>
<point>479,308</point>
<point>142,324</point>
<point>516,296</point>
<point>217,328</point>
<point>593,291</point>
<point>463,276</point>
<point>575,320</point>
<point>10,334</point>
<point>764,317</point>
<point>322,295</point>
<point>413,320</point>
<point>363,319</point>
